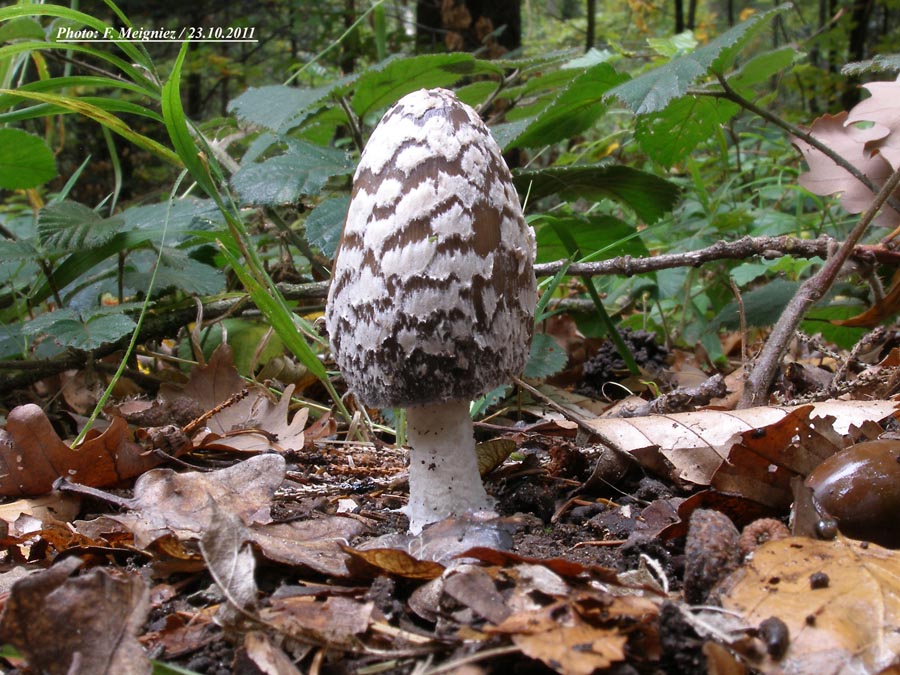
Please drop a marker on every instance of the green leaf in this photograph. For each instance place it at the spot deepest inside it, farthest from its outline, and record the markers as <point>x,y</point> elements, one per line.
<point>590,58</point>
<point>24,28</point>
<point>276,107</point>
<point>185,215</point>
<point>762,306</point>
<point>176,269</point>
<point>177,126</point>
<point>649,196</point>
<point>652,91</point>
<point>302,170</point>
<point>67,328</point>
<point>68,226</point>
<point>386,82</point>
<point>98,114</point>
<point>670,135</point>
<point>675,45</point>
<point>25,160</point>
<point>12,343</point>
<point>818,322</point>
<point>546,358</point>
<point>574,110</point>
<point>880,63</point>
<point>325,224</point>
<point>16,250</point>
<point>763,66</point>
<point>605,235</point>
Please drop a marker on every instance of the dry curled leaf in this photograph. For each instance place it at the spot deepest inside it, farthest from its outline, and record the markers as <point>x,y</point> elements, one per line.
<point>33,456</point>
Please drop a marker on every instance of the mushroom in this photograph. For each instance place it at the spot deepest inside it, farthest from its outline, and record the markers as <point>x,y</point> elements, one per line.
<point>433,292</point>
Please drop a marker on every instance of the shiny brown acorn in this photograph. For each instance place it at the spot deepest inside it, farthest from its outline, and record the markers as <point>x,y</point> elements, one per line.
<point>859,487</point>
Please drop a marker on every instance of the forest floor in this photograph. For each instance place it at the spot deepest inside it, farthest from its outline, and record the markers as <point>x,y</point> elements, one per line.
<point>217,530</point>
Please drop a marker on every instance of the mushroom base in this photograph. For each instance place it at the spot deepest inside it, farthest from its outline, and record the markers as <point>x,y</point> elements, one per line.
<point>443,470</point>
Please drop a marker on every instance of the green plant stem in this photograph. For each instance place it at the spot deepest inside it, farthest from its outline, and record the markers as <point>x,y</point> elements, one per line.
<point>759,382</point>
<point>132,343</point>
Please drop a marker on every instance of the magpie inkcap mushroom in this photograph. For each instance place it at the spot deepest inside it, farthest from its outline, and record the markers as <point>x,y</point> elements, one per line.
<point>433,291</point>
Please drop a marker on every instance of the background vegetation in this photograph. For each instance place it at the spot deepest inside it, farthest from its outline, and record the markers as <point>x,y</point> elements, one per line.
<point>141,177</point>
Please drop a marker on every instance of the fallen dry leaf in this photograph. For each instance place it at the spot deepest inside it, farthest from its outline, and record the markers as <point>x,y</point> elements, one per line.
<point>560,638</point>
<point>316,544</point>
<point>393,561</point>
<point>33,456</point>
<point>337,622</point>
<point>762,462</point>
<point>266,657</point>
<point>183,504</point>
<point>695,444</point>
<point>257,424</point>
<point>86,624</point>
<point>231,564</point>
<point>840,601</point>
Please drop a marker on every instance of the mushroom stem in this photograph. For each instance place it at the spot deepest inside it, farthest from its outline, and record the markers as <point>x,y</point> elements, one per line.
<point>443,468</point>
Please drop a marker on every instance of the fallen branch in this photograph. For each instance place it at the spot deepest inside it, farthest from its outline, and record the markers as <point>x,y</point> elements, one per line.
<point>746,247</point>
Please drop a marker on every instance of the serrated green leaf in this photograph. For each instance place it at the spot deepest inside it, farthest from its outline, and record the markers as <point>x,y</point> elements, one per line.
<point>69,226</point>
<point>507,132</point>
<point>276,106</point>
<point>652,91</point>
<point>176,269</point>
<point>385,83</point>
<point>574,110</point>
<point>325,223</point>
<point>16,251</point>
<point>25,160</point>
<point>763,66</point>
<point>93,333</point>
<point>590,58</point>
<point>302,170</point>
<point>670,135</point>
<point>546,358</point>
<point>177,219</point>
<point>649,196</point>
<point>675,45</point>
<point>880,63</point>
<point>606,235</point>
<point>12,343</point>
<point>68,329</point>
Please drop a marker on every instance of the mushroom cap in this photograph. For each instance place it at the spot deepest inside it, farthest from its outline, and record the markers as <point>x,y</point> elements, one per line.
<point>433,292</point>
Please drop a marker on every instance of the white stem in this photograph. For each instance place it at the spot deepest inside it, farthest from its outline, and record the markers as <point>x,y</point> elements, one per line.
<point>443,468</point>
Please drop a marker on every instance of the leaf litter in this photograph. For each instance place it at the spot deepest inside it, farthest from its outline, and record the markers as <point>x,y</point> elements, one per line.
<point>268,545</point>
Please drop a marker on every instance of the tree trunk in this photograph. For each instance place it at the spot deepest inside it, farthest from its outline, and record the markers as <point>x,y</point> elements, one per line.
<point>465,25</point>
<point>592,24</point>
